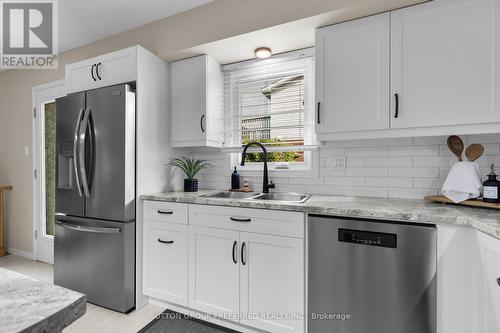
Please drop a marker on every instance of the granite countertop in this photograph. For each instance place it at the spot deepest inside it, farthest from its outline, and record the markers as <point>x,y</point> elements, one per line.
<point>406,210</point>
<point>28,305</point>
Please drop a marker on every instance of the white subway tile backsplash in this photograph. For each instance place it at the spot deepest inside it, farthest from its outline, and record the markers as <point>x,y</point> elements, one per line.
<point>388,161</point>
<point>356,181</point>
<point>389,142</point>
<point>389,181</point>
<point>368,171</point>
<point>414,172</point>
<point>397,168</point>
<point>414,151</point>
<point>428,161</point>
<point>367,151</point>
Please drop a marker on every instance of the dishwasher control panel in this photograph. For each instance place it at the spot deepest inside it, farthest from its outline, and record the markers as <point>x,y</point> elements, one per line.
<point>369,238</point>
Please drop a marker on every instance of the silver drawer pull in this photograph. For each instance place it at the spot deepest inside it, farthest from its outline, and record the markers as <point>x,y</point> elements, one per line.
<point>165,242</point>
<point>165,212</point>
<point>235,219</point>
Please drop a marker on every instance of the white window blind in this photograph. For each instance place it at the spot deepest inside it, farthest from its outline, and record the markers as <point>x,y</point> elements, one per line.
<point>271,101</point>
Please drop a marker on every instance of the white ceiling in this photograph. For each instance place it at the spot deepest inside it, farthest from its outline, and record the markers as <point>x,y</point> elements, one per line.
<point>86,21</point>
<point>289,36</point>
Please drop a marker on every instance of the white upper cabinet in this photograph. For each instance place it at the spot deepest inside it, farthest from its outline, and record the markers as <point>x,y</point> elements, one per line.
<point>197,103</point>
<point>106,70</point>
<point>428,69</point>
<point>445,63</point>
<point>352,75</point>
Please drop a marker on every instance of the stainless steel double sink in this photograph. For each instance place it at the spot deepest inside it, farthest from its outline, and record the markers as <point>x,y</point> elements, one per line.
<point>276,196</point>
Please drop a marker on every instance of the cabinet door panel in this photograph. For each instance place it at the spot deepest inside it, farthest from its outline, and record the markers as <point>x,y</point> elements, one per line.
<point>352,75</point>
<point>490,250</point>
<point>213,275</point>
<point>272,281</point>
<point>444,63</point>
<point>166,262</point>
<point>189,98</point>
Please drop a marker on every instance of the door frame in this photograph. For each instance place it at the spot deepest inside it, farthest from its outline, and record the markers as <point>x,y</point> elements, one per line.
<point>42,93</point>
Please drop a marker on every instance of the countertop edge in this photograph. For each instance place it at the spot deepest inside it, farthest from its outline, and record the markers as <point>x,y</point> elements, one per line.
<point>481,219</point>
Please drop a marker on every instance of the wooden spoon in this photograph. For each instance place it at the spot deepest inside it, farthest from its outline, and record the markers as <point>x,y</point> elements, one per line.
<point>474,151</point>
<point>456,146</point>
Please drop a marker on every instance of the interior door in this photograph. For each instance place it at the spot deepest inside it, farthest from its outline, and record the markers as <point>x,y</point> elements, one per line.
<point>213,270</point>
<point>272,281</point>
<point>111,157</point>
<point>445,63</point>
<point>352,75</point>
<point>69,198</point>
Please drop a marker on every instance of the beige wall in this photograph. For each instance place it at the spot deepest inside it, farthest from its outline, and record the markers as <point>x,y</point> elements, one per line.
<point>218,20</point>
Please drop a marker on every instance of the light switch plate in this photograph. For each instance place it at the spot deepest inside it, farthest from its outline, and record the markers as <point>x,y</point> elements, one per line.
<point>27,151</point>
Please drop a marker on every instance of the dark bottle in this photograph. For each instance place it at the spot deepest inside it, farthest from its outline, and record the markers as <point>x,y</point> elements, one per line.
<point>235,180</point>
<point>491,187</point>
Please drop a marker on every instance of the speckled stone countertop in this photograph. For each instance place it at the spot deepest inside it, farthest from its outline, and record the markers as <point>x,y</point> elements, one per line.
<point>28,305</point>
<point>418,211</point>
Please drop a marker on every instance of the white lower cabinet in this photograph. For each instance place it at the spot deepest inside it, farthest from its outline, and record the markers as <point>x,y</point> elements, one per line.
<point>213,274</point>
<point>490,253</point>
<point>166,261</point>
<point>271,282</point>
<point>242,265</point>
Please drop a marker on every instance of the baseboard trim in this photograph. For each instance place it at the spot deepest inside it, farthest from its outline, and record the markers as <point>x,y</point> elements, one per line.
<point>21,253</point>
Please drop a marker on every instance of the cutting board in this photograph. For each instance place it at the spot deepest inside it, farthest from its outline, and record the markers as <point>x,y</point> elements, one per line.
<point>471,203</point>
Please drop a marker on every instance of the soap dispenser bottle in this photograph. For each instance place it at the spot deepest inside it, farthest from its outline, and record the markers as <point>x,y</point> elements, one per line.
<point>235,180</point>
<point>491,187</point>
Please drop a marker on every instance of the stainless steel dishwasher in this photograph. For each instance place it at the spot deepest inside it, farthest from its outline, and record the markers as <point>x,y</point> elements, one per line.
<point>371,276</point>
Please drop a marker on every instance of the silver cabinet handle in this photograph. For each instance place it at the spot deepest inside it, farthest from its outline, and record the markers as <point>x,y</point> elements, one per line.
<point>76,141</point>
<point>164,212</point>
<point>235,219</point>
<point>165,242</point>
<point>498,281</point>
<point>81,151</point>
<point>94,230</point>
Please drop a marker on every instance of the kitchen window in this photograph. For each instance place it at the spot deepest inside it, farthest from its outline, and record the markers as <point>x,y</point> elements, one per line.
<point>272,101</point>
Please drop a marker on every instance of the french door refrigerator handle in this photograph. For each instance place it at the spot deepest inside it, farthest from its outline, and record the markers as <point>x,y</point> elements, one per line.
<point>81,152</point>
<point>76,141</point>
<point>95,230</point>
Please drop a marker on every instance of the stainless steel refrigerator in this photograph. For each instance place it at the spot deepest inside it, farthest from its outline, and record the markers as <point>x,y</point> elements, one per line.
<point>94,249</point>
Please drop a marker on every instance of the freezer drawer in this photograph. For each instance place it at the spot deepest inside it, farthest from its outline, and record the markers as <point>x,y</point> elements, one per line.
<point>371,276</point>
<point>97,258</point>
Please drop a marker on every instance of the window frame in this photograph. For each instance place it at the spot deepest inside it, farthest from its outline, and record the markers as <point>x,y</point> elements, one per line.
<point>310,166</point>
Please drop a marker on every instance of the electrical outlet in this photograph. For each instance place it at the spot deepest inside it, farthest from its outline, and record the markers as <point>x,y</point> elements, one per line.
<point>338,162</point>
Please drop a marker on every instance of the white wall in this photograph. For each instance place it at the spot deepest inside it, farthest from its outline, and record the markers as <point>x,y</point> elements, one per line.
<point>394,168</point>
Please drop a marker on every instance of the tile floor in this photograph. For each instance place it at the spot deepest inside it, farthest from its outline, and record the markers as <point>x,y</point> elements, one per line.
<point>96,319</point>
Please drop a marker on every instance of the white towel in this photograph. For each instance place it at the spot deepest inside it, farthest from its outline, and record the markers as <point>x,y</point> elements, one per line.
<point>463,182</point>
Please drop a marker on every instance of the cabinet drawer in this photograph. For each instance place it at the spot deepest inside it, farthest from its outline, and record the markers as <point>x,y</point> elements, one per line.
<point>166,262</point>
<point>166,212</point>
<point>273,222</point>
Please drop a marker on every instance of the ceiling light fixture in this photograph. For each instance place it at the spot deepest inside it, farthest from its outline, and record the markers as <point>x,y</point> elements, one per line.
<point>263,52</point>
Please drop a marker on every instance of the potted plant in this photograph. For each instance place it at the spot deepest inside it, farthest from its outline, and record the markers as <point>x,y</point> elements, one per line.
<point>190,167</point>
